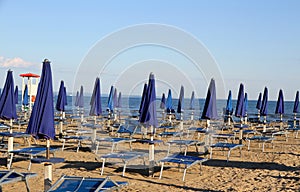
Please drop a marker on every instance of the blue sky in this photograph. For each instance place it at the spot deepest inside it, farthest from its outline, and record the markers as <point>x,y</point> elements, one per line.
<point>253,42</point>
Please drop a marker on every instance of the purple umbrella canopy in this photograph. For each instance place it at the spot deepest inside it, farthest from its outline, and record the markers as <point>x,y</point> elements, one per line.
<point>280,103</point>
<point>258,103</point>
<point>210,106</point>
<point>96,108</point>
<point>7,99</point>
<point>81,98</point>
<point>169,102</point>
<point>239,110</point>
<point>41,122</point>
<point>66,97</point>
<point>61,98</point>
<point>296,103</point>
<point>76,99</point>
<point>264,103</point>
<point>143,98</point>
<point>180,106</point>
<point>110,102</point>
<point>148,115</point>
<point>163,102</point>
<point>119,100</point>
<point>192,101</point>
<point>115,98</point>
<point>16,93</point>
<point>229,108</point>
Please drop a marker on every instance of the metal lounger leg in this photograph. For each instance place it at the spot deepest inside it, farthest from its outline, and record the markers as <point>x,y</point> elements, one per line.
<point>249,145</point>
<point>228,154</point>
<point>161,170</point>
<point>210,156</point>
<point>124,168</point>
<point>63,146</point>
<point>184,172</point>
<point>102,169</point>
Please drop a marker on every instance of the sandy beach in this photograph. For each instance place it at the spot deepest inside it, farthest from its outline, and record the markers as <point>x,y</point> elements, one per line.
<point>276,169</point>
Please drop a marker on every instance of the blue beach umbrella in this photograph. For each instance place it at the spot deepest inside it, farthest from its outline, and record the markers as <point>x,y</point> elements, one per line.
<point>7,99</point>
<point>296,103</point>
<point>246,104</point>
<point>76,99</point>
<point>61,98</point>
<point>258,103</point>
<point>239,110</point>
<point>66,96</point>
<point>163,102</point>
<point>148,115</point>
<point>96,108</point>
<point>81,98</point>
<point>110,102</point>
<point>115,98</point>
<point>192,101</point>
<point>169,103</point>
<point>143,98</point>
<point>119,100</point>
<point>264,103</point>
<point>180,106</point>
<point>280,104</point>
<point>229,108</point>
<point>41,122</point>
<point>25,96</point>
<point>149,118</point>
<point>16,93</point>
<point>210,106</point>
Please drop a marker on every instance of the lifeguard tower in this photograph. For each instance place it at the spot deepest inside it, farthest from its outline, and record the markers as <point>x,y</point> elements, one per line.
<point>32,81</point>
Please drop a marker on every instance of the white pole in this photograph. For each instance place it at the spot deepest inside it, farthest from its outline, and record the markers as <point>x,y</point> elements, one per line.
<point>151,153</point>
<point>265,126</point>
<point>47,176</point>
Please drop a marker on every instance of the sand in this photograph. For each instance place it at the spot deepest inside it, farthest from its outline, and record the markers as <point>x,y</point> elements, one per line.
<point>276,169</point>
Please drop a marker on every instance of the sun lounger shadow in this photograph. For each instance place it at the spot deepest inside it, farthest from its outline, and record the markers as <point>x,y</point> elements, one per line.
<point>89,166</point>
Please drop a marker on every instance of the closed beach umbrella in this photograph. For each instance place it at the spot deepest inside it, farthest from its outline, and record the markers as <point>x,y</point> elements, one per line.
<point>66,97</point>
<point>96,108</point>
<point>264,103</point>
<point>8,105</point>
<point>295,109</point>
<point>180,106</point>
<point>143,98</point>
<point>41,123</point>
<point>169,103</point>
<point>240,110</point>
<point>16,95</point>
<point>280,104</point>
<point>76,99</point>
<point>61,98</point>
<point>110,102</point>
<point>229,108</point>
<point>258,103</point>
<point>163,102</point>
<point>296,103</point>
<point>149,118</point>
<point>7,99</point>
<point>246,104</point>
<point>115,98</point>
<point>210,106</point>
<point>25,96</point>
<point>119,100</point>
<point>81,98</point>
<point>192,101</point>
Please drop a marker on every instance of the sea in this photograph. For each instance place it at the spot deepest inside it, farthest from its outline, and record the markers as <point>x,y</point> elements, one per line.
<point>130,106</point>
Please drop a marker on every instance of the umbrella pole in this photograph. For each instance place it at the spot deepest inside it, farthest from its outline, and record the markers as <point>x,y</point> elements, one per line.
<point>163,115</point>
<point>181,122</point>
<point>192,116</point>
<point>228,119</point>
<point>61,124</point>
<point>151,153</point>
<point>241,132</point>
<point>295,120</point>
<point>47,176</point>
<point>48,149</point>
<point>265,126</point>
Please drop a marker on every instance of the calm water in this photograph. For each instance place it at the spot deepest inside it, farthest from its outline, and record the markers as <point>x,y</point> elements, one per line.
<point>131,104</point>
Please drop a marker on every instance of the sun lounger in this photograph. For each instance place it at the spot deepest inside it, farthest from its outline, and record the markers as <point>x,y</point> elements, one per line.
<point>228,146</point>
<point>28,153</point>
<point>86,184</point>
<point>185,143</point>
<point>79,140</point>
<point>114,142</point>
<point>187,161</point>
<point>124,156</point>
<point>260,139</point>
<point>13,176</point>
<point>25,136</point>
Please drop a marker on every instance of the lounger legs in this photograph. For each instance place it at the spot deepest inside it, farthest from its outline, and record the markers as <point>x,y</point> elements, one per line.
<point>102,169</point>
<point>161,170</point>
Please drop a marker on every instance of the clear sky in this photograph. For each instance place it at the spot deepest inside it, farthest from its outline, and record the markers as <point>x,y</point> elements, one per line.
<point>253,42</point>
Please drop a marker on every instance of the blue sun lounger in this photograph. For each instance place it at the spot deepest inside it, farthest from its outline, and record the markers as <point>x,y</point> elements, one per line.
<point>228,146</point>
<point>28,153</point>
<point>187,161</point>
<point>114,142</point>
<point>185,143</point>
<point>260,139</point>
<point>124,156</point>
<point>79,140</point>
<point>13,176</point>
<point>85,184</point>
